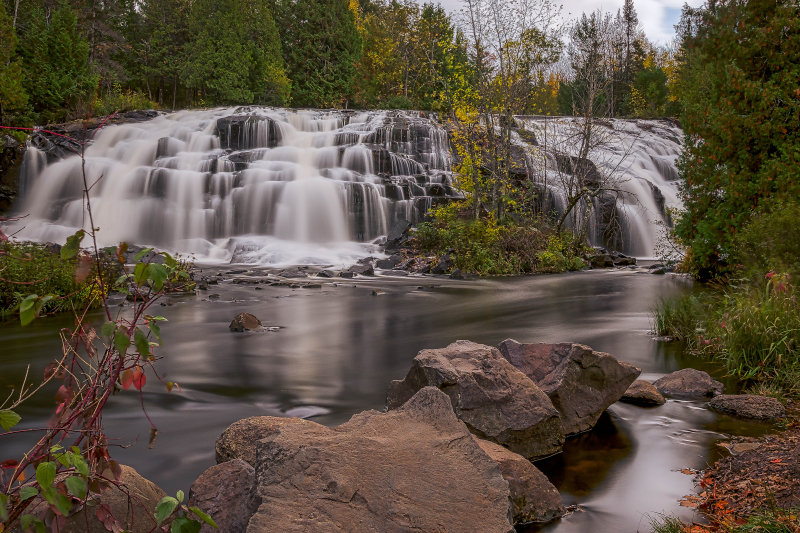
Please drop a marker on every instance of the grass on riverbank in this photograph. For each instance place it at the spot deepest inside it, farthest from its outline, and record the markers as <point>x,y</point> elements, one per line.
<point>488,247</point>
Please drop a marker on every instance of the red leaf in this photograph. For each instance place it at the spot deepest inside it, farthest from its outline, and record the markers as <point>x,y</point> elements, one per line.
<point>775,461</point>
<point>126,379</point>
<point>139,379</point>
<point>9,463</point>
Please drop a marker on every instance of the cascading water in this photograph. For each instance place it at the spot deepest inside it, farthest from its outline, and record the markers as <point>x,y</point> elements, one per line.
<point>251,185</point>
<point>278,187</point>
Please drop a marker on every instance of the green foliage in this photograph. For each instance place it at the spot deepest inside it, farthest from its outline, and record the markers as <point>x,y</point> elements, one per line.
<point>13,97</point>
<point>666,524</point>
<point>680,318</point>
<point>321,46</point>
<point>770,241</point>
<point>738,86</point>
<point>118,99</point>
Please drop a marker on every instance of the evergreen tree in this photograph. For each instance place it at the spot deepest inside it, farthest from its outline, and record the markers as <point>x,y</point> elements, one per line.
<point>741,119</point>
<point>321,47</point>
<point>13,97</point>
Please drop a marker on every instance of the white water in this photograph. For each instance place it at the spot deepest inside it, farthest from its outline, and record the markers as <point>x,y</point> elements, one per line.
<point>279,187</point>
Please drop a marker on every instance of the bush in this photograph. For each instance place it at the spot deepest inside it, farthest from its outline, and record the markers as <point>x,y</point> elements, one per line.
<point>119,100</point>
<point>771,241</point>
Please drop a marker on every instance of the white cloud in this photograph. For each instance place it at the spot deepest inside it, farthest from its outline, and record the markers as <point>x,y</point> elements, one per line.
<point>657,17</point>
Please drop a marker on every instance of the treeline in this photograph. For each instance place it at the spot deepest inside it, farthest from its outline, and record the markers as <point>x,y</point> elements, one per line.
<point>59,59</point>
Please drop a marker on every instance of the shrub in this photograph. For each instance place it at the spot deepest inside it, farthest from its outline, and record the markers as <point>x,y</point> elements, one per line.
<point>119,100</point>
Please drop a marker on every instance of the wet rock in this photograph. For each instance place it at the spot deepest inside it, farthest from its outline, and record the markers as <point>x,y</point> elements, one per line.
<point>689,383</point>
<point>347,275</point>
<point>390,262</point>
<point>239,440</point>
<point>132,508</point>
<point>496,401</point>
<point>292,273</point>
<point>398,234</point>
<point>244,322</point>
<point>580,382</point>
<point>412,469</point>
<point>444,264</point>
<point>362,270</point>
<point>748,406</point>
<point>643,393</point>
<point>227,492</point>
<point>657,270</point>
<point>326,274</point>
<point>533,497</point>
<point>457,274</point>
<point>600,261</point>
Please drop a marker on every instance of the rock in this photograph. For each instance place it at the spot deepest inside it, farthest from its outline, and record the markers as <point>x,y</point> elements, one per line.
<point>748,406</point>
<point>362,270</point>
<point>457,274</point>
<point>444,264</point>
<point>239,440</point>
<point>600,261</point>
<point>412,469</point>
<point>244,322</point>
<point>689,384</point>
<point>580,382</point>
<point>398,233</point>
<point>533,497</point>
<point>347,275</point>
<point>133,508</point>
<point>227,492</point>
<point>292,273</point>
<point>326,274</point>
<point>496,401</point>
<point>643,393</point>
<point>390,262</point>
<point>658,270</point>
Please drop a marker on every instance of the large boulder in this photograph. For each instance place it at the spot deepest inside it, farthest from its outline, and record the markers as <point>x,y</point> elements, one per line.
<point>244,322</point>
<point>239,440</point>
<point>748,406</point>
<point>414,468</point>
<point>643,393</point>
<point>580,382</point>
<point>227,492</point>
<point>689,383</point>
<point>496,401</point>
<point>132,504</point>
<point>533,497</point>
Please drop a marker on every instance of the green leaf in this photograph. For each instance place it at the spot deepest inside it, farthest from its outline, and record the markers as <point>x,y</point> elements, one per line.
<point>140,339</point>
<point>142,253</point>
<point>156,330</point>
<point>63,504</point>
<point>140,273</point>
<point>169,260</point>
<point>26,493</point>
<point>185,525</point>
<point>9,419</point>
<point>46,474</point>
<point>80,464</point>
<point>121,342</point>
<point>108,329</point>
<point>27,311</point>
<point>3,507</point>
<point>41,302</point>
<point>76,486</point>
<point>73,245</point>
<point>165,508</point>
<point>203,516</point>
<point>158,275</point>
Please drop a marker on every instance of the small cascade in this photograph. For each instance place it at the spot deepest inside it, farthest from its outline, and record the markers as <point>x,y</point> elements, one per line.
<point>632,165</point>
<point>247,185</point>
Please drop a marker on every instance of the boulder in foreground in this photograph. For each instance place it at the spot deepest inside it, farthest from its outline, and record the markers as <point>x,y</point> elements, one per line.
<point>496,401</point>
<point>416,468</point>
<point>580,382</point>
<point>239,440</point>
<point>689,383</point>
<point>643,393</point>
<point>748,406</point>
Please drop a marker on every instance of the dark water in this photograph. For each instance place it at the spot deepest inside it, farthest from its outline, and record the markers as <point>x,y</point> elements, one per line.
<point>340,346</point>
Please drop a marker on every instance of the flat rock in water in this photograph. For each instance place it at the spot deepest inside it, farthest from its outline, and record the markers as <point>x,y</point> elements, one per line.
<point>293,273</point>
<point>689,383</point>
<point>244,322</point>
<point>533,497</point>
<point>226,492</point>
<point>239,440</point>
<point>496,401</point>
<point>412,469</point>
<point>580,382</point>
<point>643,393</point>
<point>748,406</point>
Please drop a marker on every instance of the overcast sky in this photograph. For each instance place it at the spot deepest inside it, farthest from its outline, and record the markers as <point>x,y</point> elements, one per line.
<point>657,17</point>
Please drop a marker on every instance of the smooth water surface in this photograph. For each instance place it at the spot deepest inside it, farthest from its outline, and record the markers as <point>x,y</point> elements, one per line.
<point>340,345</point>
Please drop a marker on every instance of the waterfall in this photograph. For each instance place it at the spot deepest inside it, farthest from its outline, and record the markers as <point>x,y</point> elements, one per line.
<point>277,187</point>
<point>247,185</point>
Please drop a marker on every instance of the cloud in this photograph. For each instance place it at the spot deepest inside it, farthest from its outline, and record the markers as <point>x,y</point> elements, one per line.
<point>657,17</point>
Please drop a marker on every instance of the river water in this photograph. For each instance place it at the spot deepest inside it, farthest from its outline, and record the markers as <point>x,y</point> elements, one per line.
<point>341,344</point>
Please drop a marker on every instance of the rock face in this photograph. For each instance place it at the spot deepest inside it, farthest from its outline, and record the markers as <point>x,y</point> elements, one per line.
<point>643,393</point>
<point>496,401</point>
<point>689,383</point>
<point>227,492</point>
<point>244,322</point>
<point>748,406</point>
<point>133,510</point>
<point>239,440</point>
<point>533,497</point>
<point>580,382</point>
<point>414,468</point>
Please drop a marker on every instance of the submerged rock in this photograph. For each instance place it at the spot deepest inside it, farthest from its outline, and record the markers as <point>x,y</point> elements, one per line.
<point>748,406</point>
<point>496,401</point>
<point>244,322</point>
<point>643,393</point>
<point>533,497</point>
<point>226,492</point>
<point>412,469</point>
<point>580,382</point>
<point>689,383</point>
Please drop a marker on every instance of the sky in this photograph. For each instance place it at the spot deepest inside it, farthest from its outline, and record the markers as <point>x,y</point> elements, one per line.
<point>656,17</point>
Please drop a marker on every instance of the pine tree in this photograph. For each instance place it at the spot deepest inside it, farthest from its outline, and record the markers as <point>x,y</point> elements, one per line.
<point>13,97</point>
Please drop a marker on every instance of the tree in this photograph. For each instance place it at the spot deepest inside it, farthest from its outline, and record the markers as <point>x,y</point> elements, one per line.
<point>12,94</point>
<point>321,48</point>
<point>741,120</point>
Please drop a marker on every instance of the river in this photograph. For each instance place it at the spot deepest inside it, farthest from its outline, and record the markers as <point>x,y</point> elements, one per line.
<point>339,345</point>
